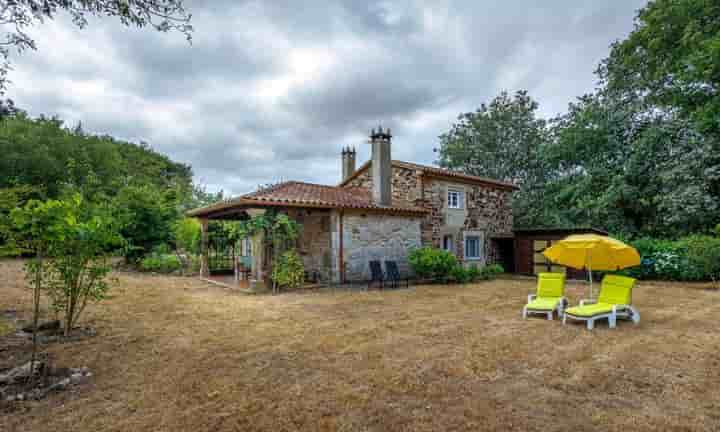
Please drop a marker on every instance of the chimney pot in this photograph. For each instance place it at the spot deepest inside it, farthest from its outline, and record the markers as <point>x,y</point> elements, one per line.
<point>348,162</point>
<point>381,167</point>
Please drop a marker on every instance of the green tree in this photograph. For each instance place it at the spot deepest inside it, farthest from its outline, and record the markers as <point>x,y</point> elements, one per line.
<point>148,215</point>
<point>18,15</point>
<point>187,235</point>
<point>670,65</point>
<point>68,241</point>
<point>78,265</point>
<point>671,60</point>
<point>43,153</point>
<point>10,199</point>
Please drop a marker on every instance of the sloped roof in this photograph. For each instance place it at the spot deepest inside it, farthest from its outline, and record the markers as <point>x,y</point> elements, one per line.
<point>432,171</point>
<point>300,194</point>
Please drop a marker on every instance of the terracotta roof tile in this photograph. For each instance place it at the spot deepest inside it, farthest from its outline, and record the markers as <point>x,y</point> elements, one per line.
<point>300,194</point>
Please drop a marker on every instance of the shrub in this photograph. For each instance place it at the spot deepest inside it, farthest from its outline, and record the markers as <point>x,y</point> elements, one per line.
<point>693,258</point>
<point>460,274</point>
<point>660,259</point>
<point>428,262</point>
<point>160,263</point>
<point>491,271</point>
<point>187,235</point>
<point>472,273</point>
<point>703,253</point>
<point>71,239</point>
<point>288,270</point>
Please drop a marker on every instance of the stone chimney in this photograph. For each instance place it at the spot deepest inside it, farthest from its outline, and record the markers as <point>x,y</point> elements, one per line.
<point>381,166</point>
<point>348,162</point>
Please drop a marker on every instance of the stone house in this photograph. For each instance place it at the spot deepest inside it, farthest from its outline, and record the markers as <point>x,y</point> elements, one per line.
<point>380,211</point>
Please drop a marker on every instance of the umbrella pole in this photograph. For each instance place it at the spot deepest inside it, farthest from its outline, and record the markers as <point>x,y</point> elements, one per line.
<point>589,270</point>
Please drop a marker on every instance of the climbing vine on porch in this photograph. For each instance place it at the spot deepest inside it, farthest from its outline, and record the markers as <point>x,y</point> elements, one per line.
<point>280,234</point>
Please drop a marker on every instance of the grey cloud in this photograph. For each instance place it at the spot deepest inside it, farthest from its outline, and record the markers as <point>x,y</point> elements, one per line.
<point>241,108</point>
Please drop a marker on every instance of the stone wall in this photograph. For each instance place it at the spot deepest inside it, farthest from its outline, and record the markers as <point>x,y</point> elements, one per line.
<point>486,210</point>
<point>380,237</point>
<point>406,184</point>
<point>314,243</point>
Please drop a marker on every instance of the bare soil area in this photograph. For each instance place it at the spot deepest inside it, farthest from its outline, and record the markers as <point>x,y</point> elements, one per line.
<point>176,354</point>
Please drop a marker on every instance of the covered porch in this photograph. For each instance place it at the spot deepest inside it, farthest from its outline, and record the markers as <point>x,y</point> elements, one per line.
<point>342,229</point>
<point>249,266</point>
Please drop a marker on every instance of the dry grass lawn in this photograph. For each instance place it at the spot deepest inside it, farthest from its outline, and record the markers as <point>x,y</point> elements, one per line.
<point>175,354</point>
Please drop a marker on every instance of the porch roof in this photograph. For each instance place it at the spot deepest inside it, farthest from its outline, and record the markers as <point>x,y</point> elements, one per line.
<point>308,195</point>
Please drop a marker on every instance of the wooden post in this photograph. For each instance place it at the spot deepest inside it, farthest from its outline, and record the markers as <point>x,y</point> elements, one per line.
<point>204,263</point>
<point>341,252</point>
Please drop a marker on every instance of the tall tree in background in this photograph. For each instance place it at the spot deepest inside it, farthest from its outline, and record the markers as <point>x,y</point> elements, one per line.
<point>607,161</point>
<point>17,15</point>
<point>502,140</point>
<point>670,64</point>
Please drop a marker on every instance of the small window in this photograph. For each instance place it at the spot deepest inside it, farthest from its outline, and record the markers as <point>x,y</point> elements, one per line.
<point>472,247</point>
<point>455,199</point>
<point>448,243</point>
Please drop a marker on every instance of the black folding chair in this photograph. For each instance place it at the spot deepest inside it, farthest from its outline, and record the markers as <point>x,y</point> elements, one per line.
<point>393,275</point>
<point>376,274</point>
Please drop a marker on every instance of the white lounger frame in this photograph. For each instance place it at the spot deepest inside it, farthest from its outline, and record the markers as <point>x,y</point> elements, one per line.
<point>562,304</point>
<point>618,311</point>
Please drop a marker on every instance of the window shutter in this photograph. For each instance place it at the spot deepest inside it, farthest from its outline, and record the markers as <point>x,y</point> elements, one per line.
<point>461,199</point>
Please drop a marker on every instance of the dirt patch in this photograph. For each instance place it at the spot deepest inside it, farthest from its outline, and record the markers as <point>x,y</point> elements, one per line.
<point>176,354</point>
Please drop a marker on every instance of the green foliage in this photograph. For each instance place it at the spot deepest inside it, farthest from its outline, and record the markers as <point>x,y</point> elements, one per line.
<point>161,263</point>
<point>428,262</point>
<point>44,160</point>
<point>472,273</point>
<point>74,237</point>
<point>279,231</point>
<point>11,198</point>
<point>671,60</point>
<point>288,270</point>
<point>148,216</point>
<point>491,271</point>
<point>187,235</point>
<point>693,258</point>
<point>704,255</point>
<point>461,275</point>
<point>43,154</point>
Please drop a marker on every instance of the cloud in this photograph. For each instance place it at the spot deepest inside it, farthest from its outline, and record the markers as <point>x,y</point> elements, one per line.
<point>273,90</point>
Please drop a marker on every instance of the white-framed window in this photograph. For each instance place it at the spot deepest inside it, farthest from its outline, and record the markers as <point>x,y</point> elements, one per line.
<point>455,199</point>
<point>473,247</point>
<point>448,243</point>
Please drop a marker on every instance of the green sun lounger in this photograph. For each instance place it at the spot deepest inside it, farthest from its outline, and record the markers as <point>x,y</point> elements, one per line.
<point>614,301</point>
<point>550,296</point>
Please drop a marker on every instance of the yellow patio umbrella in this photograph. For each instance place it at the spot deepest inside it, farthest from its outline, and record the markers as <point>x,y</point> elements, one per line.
<point>592,252</point>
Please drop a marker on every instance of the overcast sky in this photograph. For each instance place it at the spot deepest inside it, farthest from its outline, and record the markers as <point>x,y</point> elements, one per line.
<point>272,90</point>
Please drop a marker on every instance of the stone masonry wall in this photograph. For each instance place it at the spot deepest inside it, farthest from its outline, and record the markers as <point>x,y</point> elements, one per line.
<point>314,243</point>
<point>487,210</point>
<point>380,237</point>
<point>406,184</point>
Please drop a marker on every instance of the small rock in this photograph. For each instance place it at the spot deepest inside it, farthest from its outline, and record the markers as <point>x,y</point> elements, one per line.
<point>78,378</point>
